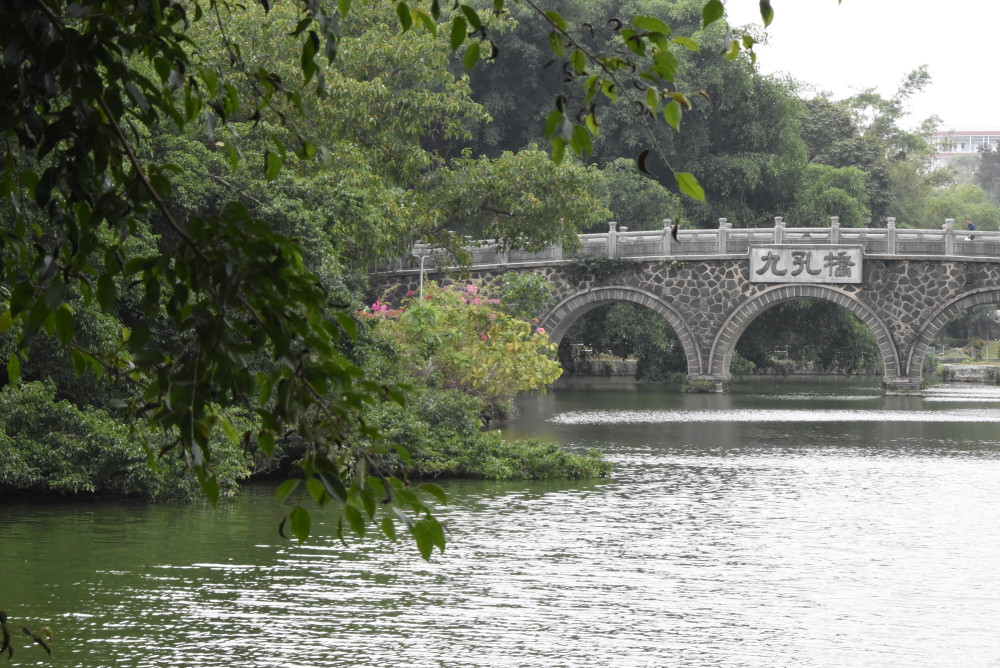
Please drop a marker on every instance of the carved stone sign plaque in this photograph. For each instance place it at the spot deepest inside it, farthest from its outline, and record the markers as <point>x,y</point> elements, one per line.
<point>805,264</point>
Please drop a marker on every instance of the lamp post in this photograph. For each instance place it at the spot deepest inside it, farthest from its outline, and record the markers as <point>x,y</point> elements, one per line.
<point>421,258</point>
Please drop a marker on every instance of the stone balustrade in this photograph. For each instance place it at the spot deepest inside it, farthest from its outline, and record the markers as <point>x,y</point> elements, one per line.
<point>730,242</point>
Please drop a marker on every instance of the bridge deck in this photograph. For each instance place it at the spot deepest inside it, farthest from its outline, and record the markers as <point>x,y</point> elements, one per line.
<point>727,242</point>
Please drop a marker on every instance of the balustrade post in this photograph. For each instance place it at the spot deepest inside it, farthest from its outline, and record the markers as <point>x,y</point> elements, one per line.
<point>834,229</point>
<point>505,255</point>
<point>949,236</point>
<point>667,239</point>
<point>724,226</point>
<point>890,231</point>
<point>779,230</point>
<point>557,251</point>
<point>612,239</point>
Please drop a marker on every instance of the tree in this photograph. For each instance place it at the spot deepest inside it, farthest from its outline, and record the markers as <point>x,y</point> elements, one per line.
<point>987,174</point>
<point>636,200</point>
<point>816,332</point>
<point>87,83</point>
<point>826,191</point>
<point>961,202</point>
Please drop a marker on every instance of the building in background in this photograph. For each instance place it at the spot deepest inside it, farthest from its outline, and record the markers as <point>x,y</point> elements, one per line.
<point>953,143</point>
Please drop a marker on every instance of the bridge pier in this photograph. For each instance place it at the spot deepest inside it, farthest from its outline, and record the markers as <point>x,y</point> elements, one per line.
<point>902,385</point>
<point>707,383</point>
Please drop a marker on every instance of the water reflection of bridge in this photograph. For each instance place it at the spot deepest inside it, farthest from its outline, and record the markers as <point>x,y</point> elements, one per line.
<point>709,285</point>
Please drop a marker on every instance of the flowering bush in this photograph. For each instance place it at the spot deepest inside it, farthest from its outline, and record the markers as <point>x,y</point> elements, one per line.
<point>459,337</point>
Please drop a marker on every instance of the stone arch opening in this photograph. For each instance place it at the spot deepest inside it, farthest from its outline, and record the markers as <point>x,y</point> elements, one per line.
<point>915,360</point>
<point>560,318</point>
<point>724,345</point>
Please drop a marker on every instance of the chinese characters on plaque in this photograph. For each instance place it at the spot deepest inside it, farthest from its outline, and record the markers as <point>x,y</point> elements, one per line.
<point>810,264</point>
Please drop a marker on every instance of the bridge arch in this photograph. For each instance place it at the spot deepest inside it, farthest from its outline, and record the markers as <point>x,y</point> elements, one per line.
<point>980,297</point>
<point>724,345</point>
<point>561,317</point>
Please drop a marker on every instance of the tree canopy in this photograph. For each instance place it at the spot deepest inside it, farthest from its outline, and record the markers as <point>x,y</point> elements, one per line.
<point>170,165</point>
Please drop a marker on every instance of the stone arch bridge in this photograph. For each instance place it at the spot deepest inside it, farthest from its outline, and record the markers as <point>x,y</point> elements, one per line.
<point>709,285</point>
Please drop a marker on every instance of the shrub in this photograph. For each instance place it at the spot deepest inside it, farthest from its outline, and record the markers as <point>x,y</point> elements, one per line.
<point>53,446</point>
<point>443,436</point>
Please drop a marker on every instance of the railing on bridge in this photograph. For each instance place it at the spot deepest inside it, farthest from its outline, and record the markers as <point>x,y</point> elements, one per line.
<point>729,242</point>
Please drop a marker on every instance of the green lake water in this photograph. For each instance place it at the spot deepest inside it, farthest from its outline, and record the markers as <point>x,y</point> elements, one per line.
<point>784,524</point>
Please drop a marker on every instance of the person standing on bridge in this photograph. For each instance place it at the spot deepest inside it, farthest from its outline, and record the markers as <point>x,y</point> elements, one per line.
<point>971,227</point>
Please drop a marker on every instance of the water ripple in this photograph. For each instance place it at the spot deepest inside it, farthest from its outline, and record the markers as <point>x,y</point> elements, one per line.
<point>591,417</point>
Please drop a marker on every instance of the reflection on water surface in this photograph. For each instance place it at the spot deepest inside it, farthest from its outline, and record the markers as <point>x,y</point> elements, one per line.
<point>781,525</point>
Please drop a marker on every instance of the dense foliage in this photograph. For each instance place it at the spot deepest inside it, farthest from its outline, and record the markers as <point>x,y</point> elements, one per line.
<point>206,181</point>
<point>191,193</point>
<point>458,336</point>
<point>52,446</point>
<point>810,335</point>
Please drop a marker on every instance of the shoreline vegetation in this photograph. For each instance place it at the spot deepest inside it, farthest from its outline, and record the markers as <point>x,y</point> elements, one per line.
<point>463,352</point>
<point>51,447</point>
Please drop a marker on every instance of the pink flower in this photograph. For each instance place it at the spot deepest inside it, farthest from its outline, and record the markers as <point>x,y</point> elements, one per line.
<point>541,330</point>
<point>410,293</point>
<point>472,289</point>
<point>482,336</point>
<point>476,301</point>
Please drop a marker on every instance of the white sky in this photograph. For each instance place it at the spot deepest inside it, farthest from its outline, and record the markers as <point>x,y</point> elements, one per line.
<point>862,44</point>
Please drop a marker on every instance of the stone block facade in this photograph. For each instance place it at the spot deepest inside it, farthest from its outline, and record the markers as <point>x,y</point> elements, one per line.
<point>709,303</point>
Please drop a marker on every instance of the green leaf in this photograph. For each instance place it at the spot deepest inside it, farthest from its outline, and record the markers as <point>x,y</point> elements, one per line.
<point>652,100</point>
<point>672,114</point>
<point>766,13</point>
<point>471,55</point>
<point>309,50</point>
<point>553,122</point>
<point>580,143</point>
<point>425,540</point>
<point>162,67</point>
<point>434,491</point>
<point>301,522</point>
<point>65,324</point>
<point>634,42</point>
<point>558,149</point>
<point>317,491</point>
<point>459,28</point>
<point>6,320</point>
<point>272,165</point>
<point>578,61</point>
<point>557,20</point>
<point>734,50</point>
<point>209,485</point>
<point>55,293</point>
<point>556,44</point>
<point>689,185</point>
<point>429,24</point>
<point>687,43</point>
<point>13,369</point>
<point>106,292</point>
<point>334,485</point>
<point>405,17</point>
<point>712,12</point>
<point>265,441</point>
<point>389,528</point>
<point>650,24</point>
<point>472,17</point>
<point>286,488</point>
<point>355,520</point>
<point>609,90</point>
<point>344,6</point>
